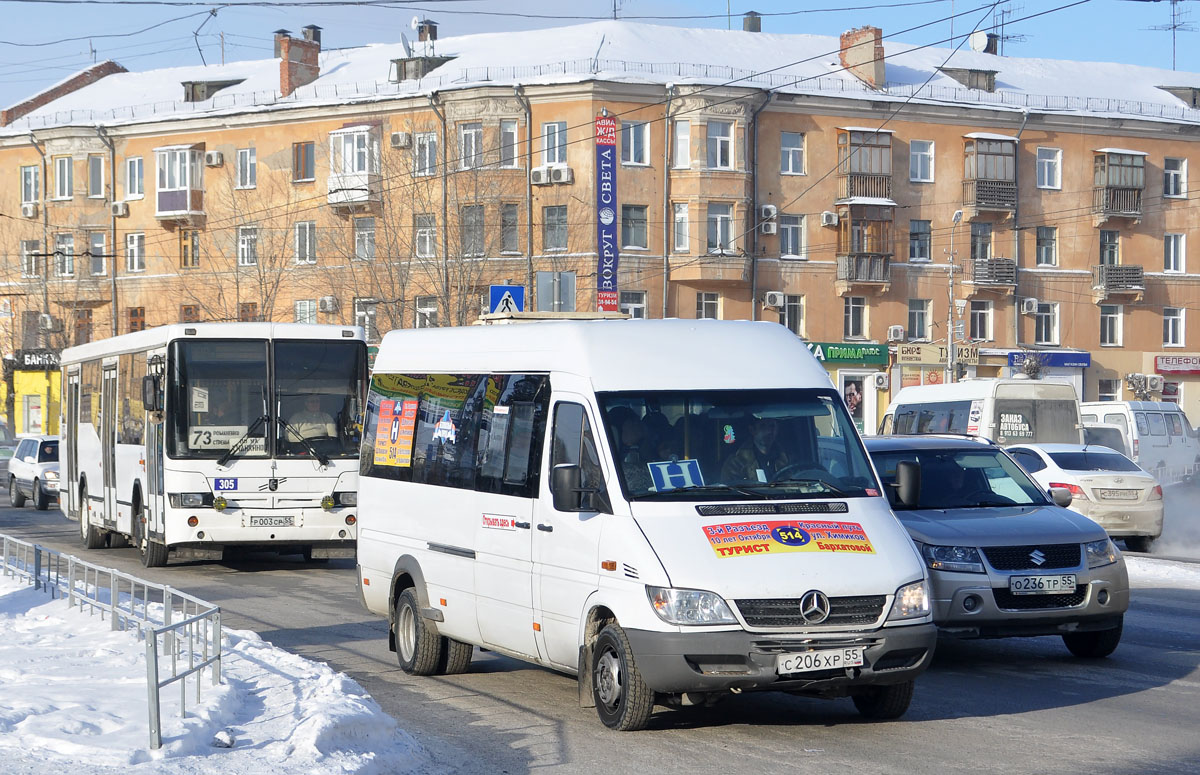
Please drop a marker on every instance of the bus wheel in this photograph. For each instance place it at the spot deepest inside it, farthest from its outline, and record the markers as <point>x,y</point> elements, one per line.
<point>154,555</point>
<point>418,647</point>
<point>89,535</point>
<point>15,498</point>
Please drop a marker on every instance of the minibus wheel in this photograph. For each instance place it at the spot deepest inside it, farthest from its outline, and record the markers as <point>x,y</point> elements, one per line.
<point>89,535</point>
<point>623,700</point>
<point>884,702</point>
<point>1094,645</point>
<point>418,647</point>
<point>456,657</point>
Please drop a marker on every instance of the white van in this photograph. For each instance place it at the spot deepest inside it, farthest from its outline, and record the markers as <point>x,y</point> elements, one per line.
<point>1161,439</point>
<point>1007,411</point>
<point>671,510</point>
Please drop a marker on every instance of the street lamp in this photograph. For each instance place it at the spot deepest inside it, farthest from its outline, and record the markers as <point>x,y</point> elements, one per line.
<point>950,364</point>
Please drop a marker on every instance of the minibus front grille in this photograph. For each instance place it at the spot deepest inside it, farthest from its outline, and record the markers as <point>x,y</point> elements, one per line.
<point>750,509</point>
<point>851,611</point>
<point>1027,557</point>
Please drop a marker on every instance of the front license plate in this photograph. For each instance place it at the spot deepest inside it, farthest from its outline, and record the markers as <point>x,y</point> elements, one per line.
<point>272,521</point>
<point>808,661</point>
<point>1062,584</point>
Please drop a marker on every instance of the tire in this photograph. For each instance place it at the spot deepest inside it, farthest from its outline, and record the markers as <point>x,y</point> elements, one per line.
<point>1138,543</point>
<point>89,535</point>
<point>418,647</point>
<point>40,500</point>
<point>623,700</point>
<point>456,657</point>
<point>884,702</point>
<point>1094,645</point>
<point>154,554</point>
<point>15,498</point>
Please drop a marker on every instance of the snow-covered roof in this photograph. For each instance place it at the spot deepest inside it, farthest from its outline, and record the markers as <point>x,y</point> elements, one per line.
<point>640,53</point>
<point>878,201</point>
<point>988,136</point>
<point>1125,151</point>
<point>865,129</point>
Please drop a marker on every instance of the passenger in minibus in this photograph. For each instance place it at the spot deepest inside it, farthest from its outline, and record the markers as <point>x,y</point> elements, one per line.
<point>759,459</point>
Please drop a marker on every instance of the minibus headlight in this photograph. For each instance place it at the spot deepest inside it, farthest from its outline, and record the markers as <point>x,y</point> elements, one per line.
<point>912,601</point>
<point>346,498</point>
<point>189,500</point>
<point>1101,553</point>
<point>689,606</point>
<point>959,559</point>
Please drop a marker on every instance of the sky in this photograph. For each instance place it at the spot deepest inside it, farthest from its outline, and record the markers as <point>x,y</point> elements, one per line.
<point>43,41</point>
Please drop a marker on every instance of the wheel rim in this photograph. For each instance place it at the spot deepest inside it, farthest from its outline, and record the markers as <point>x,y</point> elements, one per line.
<point>608,679</point>
<point>407,633</point>
<point>85,513</point>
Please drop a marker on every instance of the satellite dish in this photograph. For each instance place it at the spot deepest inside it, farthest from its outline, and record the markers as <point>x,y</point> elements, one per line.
<point>416,22</point>
<point>978,40</point>
<point>407,46</point>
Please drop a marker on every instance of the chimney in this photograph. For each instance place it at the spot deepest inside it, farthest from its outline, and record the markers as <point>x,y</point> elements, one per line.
<point>862,55</point>
<point>426,30</point>
<point>299,63</point>
<point>75,82</point>
<point>993,44</point>
<point>752,22</point>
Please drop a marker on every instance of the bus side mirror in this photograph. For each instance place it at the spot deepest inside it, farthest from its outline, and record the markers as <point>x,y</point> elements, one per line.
<point>1061,496</point>
<point>908,483</point>
<point>566,486</point>
<point>150,394</point>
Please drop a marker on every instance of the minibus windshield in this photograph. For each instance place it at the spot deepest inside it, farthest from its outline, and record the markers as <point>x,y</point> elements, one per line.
<point>735,445</point>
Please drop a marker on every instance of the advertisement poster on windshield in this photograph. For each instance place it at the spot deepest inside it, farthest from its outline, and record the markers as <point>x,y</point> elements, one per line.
<point>394,434</point>
<point>741,539</point>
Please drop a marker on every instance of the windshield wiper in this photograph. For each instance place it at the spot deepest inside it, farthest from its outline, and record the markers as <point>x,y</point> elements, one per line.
<point>702,488</point>
<point>237,445</point>
<point>787,482</point>
<point>293,433</point>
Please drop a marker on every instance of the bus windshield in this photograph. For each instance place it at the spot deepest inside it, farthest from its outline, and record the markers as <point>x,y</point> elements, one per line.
<point>319,388</point>
<point>219,398</point>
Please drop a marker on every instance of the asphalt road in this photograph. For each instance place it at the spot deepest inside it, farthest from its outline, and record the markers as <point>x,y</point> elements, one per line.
<point>1010,706</point>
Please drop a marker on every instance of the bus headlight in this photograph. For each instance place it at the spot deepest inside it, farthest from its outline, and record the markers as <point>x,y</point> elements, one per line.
<point>346,498</point>
<point>190,500</point>
<point>689,606</point>
<point>912,601</point>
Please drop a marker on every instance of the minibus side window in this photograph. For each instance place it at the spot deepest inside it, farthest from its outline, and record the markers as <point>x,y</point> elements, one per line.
<point>575,444</point>
<point>1174,426</point>
<point>1158,426</point>
<point>1143,425</point>
<point>511,434</point>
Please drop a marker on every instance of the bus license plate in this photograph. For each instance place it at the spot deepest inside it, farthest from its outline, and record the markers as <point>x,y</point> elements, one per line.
<point>808,661</point>
<point>224,484</point>
<point>1061,584</point>
<point>272,521</point>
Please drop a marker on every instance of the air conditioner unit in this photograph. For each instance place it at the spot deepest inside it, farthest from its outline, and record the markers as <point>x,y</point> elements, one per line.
<point>559,174</point>
<point>768,212</point>
<point>120,209</point>
<point>1029,306</point>
<point>1154,383</point>
<point>829,218</point>
<point>774,299</point>
<point>895,333</point>
<point>49,323</point>
<point>29,210</point>
<point>881,380</point>
<point>769,227</point>
<point>540,176</point>
<point>328,304</point>
<point>401,139</point>
<point>214,159</point>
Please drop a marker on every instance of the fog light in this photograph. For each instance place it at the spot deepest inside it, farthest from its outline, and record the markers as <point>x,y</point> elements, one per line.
<point>970,603</point>
<point>1102,597</point>
<point>193,521</point>
<point>327,503</point>
<point>350,520</point>
<point>200,534</point>
<point>219,503</point>
<point>341,534</point>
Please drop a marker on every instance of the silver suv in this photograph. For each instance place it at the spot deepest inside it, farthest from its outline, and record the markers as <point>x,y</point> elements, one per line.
<point>33,472</point>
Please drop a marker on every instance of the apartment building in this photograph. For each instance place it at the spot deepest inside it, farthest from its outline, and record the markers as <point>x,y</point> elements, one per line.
<point>876,198</point>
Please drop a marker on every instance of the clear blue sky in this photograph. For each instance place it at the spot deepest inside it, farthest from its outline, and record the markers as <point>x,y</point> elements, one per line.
<point>1105,30</point>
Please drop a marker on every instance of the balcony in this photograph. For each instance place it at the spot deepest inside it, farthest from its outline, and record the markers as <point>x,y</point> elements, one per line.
<point>723,269</point>
<point>1111,202</point>
<point>993,274</point>
<point>182,205</point>
<point>862,185</point>
<point>998,196</point>
<point>866,273</point>
<point>1118,281</point>
<point>351,191</point>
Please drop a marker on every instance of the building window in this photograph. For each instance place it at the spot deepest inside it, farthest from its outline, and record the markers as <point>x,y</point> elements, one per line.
<point>918,319</point>
<point>427,312</point>
<point>64,183</point>
<point>95,188</point>
<point>633,304</point>
<point>793,314</point>
<point>29,257</point>
<point>425,154</point>
<point>864,153</point>
<point>635,142</point>
<point>135,187</point>
<point>554,142</point>
<point>1110,325</point>
<point>508,143</point>
<point>306,242</point>
<point>64,255</point>
<point>1110,247</point>
<point>83,326</point>
<point>510,238</point>
<point>981,241</point>
<point>854,317</point>
<point>681,152</point>
<point>791,153</point>
<point>633,227</point>
<point>425,235</point>
<point>364,317</point>
<point>247,245</point>
<point>470,145</point>
<point>135,252</point>
<point>1109,389</point>
<point>30,190</point>
<point>791,236</point>
<point>720,228</point>
<point>920,161</point>
<point>306,311</point>
<point>679,221</point>
<point>1173,252</point>
<point>1045,324</point>
<point>554,228</point>
<point>708,305</point>
<point>920,240</point>
<point>720,145</point>
<point>180,169</point>
<point>247,168</point>
<point>1173,327</point>
<point>1049,168</point>
<point>1047,246</point>
<point>189,248</point>
<point>471,231</point>
<point>1175,177</point>
<point>137,319</point>
<point>981,320</point>
<point>189,313</point>
<point>354,152</point>
<point>248,312</point>
<point>97,250</point>
<point>304,162</point>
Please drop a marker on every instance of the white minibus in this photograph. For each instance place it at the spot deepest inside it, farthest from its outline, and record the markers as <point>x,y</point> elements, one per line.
<point>1159,435</point>
<point>672,510</point>
<point>1007,411</point>
<point>187,439</point>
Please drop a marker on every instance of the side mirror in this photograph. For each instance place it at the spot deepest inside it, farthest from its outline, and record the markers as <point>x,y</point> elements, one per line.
<point>1061,496</point>
<point>150,394</point>
<point>908,483</point>
<point>565,484</point>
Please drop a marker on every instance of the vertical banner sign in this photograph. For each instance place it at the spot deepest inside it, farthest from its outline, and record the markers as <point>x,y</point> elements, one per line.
<point>606,214</point>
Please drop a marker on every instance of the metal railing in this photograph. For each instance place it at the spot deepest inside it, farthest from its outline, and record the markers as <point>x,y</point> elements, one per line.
<point>182,633</point>
<point>1107,200</point>
<point>865,267</point>
<point>1119,277</point>
<point>993,271</point>
<point>856,184</point>
<point>990,194</point>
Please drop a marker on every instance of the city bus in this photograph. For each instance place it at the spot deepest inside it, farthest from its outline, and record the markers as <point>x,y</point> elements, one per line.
<point>187,439</point>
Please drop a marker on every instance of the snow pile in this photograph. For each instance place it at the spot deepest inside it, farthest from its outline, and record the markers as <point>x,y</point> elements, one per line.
<point>73,696</point>
<point>1146,572</point>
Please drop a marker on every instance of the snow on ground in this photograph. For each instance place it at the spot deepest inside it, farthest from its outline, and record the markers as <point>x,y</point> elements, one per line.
<point>73,698</point>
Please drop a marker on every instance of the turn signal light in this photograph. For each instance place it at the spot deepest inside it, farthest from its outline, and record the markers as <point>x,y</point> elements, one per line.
<point>609,564</point>
<point>193,521</point>
<point>350,519</point>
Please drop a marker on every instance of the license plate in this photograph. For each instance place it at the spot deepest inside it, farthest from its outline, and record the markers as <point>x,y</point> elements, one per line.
<point>1118,495</point>
<point>272,521</point>
<point>829,659</point>
<point>1062,584</point>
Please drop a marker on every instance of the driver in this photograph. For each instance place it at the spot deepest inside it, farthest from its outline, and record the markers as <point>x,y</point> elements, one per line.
<point>759,460</point>
<point>310,422</point>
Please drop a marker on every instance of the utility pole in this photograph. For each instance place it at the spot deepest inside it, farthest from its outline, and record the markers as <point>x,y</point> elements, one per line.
<point>950,346</point>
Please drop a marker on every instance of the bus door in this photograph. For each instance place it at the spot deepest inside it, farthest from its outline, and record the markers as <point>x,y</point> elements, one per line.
<point>108,444</point>
<point>153,452</point>
<point>71,485</point>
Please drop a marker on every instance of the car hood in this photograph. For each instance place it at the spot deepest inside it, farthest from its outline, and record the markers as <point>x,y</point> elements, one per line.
<point>1000,525</point>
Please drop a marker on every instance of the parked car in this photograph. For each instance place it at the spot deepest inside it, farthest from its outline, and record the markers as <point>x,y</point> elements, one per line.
<point>33,472</point>
<point>8,446</point>
<point>1004,558</point>
<point>1105,434</point>
<point>1105,486</point>
<point>1161,439</point>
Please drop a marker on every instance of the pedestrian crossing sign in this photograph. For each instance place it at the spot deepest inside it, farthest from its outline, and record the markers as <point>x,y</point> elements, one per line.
<point>506,298</point>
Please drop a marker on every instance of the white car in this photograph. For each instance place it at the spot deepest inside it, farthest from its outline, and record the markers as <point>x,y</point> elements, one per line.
<point>1105,486</point>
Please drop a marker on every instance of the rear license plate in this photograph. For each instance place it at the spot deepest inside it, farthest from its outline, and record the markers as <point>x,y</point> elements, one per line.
<point>1118,495</point>
<point>272,521</point>
<point>808,661</point>
<point>1062,584</point>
